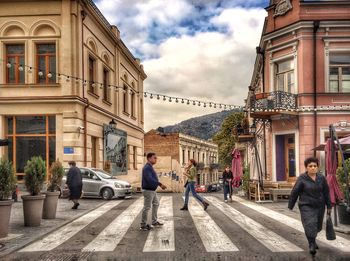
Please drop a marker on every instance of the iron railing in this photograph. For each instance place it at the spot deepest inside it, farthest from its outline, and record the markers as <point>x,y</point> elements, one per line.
<point>277,100</point>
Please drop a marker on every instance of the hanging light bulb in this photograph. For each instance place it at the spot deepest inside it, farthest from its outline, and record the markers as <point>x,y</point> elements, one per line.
<point>109,87</point>
<point>59,76</point>
<point>164,98</point>
<point>199,103</point>
<point>188,102</point>
<point>49,75</point>
<point>145,95</point>
<point>182,101</point>
<point>205,105</point>
<point>101,86</point>
<point>77,80</point>
<point>225,107</point>
<point>158,97</point>
<point>20,68</point>
<point>67,79</point>
<point>8,65</point>
<point>151,96</point>
<point>84,83</point>
<point>176,100</point>
<point>30,70</point>
<point>40,73</point>
<point>210,104</point>
<point>169,99</point>
<point>215,105</point>
<point>220,106</point>
<point>194,103</point>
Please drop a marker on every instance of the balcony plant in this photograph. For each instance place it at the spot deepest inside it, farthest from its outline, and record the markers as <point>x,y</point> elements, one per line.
<point>344,215</point>
<point>7,185</point>
<point>53,190</point>
<point>35,175</point>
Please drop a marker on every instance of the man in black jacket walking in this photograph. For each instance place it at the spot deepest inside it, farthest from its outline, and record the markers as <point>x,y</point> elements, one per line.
<point>150,183</point>
<point>74,183</point>
<point>227,178</point>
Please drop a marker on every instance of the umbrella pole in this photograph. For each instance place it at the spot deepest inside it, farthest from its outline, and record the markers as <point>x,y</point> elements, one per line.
<point>335,216</point>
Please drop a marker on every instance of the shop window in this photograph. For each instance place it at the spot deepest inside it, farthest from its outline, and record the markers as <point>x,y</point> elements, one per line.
<point>284,76</point>
<point>125,99</point>
<point>30,136</point>
<point>339,72</point>
<point>105,84</point>
<point>46,63</point>
<point>133,114</point>
<point>135,157</point>
<point>15,56</point>
<point>141,110</point>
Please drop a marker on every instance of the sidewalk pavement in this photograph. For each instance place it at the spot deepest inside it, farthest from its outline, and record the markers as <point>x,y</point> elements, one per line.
<point>20,236</point>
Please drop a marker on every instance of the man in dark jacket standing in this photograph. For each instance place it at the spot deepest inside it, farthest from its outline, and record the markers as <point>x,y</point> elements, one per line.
<point>74,183</point>
<point>150,183</point>
<point>227,178</point>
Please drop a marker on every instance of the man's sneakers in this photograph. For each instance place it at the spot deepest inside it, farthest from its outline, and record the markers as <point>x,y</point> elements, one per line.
<point>145,227</point>
<point>157,224</point>
<point>225,200</point>
<point>76,205</point>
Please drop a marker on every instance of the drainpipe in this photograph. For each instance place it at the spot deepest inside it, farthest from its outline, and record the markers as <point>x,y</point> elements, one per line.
<point>316,26</point>
<point>87,103</point>
<point>261,51</point>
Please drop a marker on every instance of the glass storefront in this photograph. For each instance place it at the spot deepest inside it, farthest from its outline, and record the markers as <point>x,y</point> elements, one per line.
<point>31,136</point>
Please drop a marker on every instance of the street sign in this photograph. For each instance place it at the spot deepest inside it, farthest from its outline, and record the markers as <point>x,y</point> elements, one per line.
<point>68,150</point>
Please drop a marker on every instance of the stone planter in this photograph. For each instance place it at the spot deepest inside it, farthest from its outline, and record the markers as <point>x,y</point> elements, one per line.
<point>50,204</point>
<point>344,215</point>
<point>5,213</point>
<point>33,209</point>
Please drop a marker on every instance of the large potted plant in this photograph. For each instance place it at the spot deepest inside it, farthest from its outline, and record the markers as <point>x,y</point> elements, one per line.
<point>7,185</point>
<point>52,193</point>
<point>35,174</point>
<point>344,214</point>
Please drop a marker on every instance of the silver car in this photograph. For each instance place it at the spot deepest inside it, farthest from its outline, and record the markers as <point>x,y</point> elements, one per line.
<point>99,183</point>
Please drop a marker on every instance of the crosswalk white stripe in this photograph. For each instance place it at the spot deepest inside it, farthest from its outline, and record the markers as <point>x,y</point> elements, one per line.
<point>162,238</point>
<point>110,237</point>
<point>268,238</point>
<point>66,232</point>
<point>340,243</point>
<point>213,238</point>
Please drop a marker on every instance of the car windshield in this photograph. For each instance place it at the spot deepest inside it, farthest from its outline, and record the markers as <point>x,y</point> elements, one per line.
<point>103,174</point>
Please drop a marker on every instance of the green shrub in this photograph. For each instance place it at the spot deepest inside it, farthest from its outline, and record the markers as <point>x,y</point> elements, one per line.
<point>341,177</point>
<point>7,179</point>
<point>246,178</point>
<point>57,172</point>
<point>35,171</point>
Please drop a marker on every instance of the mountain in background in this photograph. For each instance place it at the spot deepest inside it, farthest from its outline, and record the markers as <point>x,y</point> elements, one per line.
<point>203,127</point>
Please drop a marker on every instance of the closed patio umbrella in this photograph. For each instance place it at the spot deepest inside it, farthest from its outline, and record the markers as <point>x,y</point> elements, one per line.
<point>236,168</point>
<point>331,169</point>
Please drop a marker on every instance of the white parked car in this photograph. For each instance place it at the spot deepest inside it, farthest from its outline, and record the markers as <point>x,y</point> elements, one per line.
<point>99,183</point>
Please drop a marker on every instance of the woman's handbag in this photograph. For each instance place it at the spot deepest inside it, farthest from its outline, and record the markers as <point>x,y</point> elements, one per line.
<point>330,234</point>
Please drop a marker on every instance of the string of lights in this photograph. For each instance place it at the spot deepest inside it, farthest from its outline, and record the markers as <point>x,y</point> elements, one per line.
<point>163,97</point>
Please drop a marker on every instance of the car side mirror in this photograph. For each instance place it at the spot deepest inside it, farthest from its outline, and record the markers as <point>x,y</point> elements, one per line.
<point>95,177</point>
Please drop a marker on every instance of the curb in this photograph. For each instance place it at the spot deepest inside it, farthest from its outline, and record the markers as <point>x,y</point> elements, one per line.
<point>15,249</point>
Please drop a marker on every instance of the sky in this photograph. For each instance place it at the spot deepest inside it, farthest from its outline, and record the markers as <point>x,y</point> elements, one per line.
<point>197,49</point>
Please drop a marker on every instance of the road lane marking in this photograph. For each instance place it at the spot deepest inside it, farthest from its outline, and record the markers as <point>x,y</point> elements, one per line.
<point>213,238</point>
<point>162,238</point>
<point>110,237</point>
<point>340,243</point>
<point>66,232</point>
<point>268,238</point>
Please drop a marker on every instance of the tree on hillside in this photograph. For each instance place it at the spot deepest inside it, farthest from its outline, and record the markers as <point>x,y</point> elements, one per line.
<point>225,138</point>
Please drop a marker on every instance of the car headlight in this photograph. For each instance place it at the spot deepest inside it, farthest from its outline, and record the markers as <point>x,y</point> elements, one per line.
<point>117,185</point>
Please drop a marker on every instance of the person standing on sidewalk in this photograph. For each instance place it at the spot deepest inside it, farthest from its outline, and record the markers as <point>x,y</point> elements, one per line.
<point>150,183</point>
<point>74,183</point>
<point>227,178</point>
<point>191,174</point>
<point>313,192</point>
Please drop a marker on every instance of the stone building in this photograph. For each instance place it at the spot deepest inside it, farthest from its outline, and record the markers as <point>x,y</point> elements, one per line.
<point>174,150</point>
<point>300,85</point>
<point>66,78</point>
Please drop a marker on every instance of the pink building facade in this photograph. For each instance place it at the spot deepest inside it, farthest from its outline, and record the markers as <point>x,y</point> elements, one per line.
<point>300,84</point>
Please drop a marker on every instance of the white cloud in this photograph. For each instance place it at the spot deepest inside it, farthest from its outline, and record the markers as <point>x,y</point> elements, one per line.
<point>203,53</point>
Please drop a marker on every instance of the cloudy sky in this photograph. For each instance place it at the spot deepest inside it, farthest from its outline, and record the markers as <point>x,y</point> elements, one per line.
<point>198,49</point>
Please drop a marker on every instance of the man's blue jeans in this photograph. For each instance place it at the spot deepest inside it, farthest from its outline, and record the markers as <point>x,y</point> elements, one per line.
<point>190,187</point>
<point>227,190</point>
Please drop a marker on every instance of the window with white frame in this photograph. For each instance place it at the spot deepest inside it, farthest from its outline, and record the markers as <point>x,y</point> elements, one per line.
<point>284,76</point>
<point>339,72</point>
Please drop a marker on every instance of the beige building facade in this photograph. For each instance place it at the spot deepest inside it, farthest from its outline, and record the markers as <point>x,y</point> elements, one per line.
<point>65,75</point>
<point>174,150</point>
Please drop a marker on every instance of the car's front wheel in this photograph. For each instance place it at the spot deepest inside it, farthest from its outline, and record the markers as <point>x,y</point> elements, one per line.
<point>107,194</point>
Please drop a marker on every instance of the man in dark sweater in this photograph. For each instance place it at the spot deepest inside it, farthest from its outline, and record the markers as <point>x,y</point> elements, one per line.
<point>150,183</point>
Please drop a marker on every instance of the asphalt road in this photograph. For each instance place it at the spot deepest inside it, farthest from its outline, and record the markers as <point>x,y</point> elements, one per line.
<point>241,230</point>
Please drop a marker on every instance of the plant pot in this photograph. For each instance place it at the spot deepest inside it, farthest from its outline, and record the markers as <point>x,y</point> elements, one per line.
<point>5,213</point>
<point>33,209</point>
<point>344,215</point>
<point>50,204</point>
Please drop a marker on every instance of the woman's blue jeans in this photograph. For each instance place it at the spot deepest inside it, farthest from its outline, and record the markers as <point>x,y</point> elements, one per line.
<point>190,187</point>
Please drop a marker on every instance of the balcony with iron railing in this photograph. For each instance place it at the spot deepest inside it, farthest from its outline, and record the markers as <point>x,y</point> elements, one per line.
<point>264,105</point>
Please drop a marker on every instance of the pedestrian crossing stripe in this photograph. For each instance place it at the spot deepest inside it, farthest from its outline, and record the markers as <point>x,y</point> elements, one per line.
<point>266,237</point>
<point>213,238</point>
<point>340,243</point>
<point>64,233</point>
<point>110,237</point>
<point>162,238</point>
